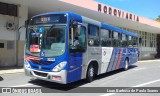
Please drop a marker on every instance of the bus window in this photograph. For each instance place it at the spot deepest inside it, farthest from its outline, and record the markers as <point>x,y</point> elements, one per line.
<point>78,44</point>
<point>93,35</point>
<point>130,41</point>
<point>82,38</point>
<point>135,42</point>
<point>119,40</point>
<point>105,38</point>
<point>116,40</point>
<point>124,40</point>
<point>73,38</point>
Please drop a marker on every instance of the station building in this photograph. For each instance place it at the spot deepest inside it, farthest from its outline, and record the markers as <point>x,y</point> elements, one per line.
<point>13,14</point>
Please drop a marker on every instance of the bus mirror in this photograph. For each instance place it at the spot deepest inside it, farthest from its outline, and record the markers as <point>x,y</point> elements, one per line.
<point>26,23</point>
<point>140,40</point>
<point>79,29</point>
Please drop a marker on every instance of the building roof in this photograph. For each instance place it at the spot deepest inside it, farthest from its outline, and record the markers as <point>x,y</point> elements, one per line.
<point>92,9</point>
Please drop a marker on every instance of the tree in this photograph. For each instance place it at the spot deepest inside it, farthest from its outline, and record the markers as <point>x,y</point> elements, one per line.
<point>158,19</point>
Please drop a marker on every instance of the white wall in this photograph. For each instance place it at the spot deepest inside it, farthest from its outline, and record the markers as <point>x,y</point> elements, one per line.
<point>4,33</point>
<point>7,57</point>
<point>23,15</point>
<point>19,21</point>
<point>10,57</point>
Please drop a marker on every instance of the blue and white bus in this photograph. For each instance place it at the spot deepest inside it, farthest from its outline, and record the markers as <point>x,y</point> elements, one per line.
<point>64,47</point>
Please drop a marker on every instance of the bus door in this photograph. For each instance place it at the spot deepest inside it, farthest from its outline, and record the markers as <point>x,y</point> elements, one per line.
<point>77,46</point>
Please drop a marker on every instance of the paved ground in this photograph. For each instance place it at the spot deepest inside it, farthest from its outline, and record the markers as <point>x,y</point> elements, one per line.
<point>11,70</point>
<point>142,74</point>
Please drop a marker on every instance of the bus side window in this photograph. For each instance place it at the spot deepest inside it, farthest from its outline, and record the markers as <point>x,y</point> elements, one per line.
<point>124,40</point>
<point>135,42</point>
<point>73,39</point>
<point>93,35</point>
<point>130,43</point>
<point>119,40</point>
<point>105,38</point>
<point>79,39</point>
<point>115,39</point>
<point>82,38</point>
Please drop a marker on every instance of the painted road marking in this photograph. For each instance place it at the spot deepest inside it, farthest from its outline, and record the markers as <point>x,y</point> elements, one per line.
<point>102,82</point>
<point>136,69</point>
<point>140,85</point>
<point>147,83</point>
<point>117,76</point>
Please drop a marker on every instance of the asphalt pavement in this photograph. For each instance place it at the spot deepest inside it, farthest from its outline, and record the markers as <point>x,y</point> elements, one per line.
<point>141,74</point>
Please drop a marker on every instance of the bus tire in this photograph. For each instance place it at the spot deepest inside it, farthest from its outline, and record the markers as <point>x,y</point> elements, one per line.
<point>90,73</point>
<point>126,65</point>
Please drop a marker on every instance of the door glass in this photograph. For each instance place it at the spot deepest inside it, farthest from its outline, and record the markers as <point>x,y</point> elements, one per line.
<point>77,40</point>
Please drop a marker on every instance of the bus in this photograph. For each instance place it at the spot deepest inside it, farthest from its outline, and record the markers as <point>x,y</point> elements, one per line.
<point>64,47</point>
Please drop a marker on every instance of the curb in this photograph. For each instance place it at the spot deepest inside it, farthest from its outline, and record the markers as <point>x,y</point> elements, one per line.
<point>11,71</point>
<point>157,60</point>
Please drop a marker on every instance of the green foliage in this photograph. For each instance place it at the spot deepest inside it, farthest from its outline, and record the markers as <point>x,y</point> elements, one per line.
<point>158,19</point>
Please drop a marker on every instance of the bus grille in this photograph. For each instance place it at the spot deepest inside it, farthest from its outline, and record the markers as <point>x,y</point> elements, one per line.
<point>40,74</point>
<point>43,69</point>
<point>39,62</point>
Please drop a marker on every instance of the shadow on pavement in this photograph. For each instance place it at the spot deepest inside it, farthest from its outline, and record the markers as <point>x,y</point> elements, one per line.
<point>72,86</point>
<point>56,86</point>
<point>1,79</point>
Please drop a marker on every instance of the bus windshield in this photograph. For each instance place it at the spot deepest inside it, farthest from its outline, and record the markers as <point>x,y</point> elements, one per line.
<point>47,39</point>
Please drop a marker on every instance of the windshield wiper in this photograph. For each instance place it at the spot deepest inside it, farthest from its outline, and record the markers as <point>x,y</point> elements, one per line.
<point>50,28</point>
<point>32,28</point>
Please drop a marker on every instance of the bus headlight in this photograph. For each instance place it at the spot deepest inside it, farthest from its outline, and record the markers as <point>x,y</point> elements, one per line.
<point>26,64</point>
<point>59,67</point>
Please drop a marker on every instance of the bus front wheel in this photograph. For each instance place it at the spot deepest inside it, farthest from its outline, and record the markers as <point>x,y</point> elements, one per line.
<point>90,73</point>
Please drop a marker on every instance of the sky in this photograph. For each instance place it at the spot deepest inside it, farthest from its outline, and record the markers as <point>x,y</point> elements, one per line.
<point>146,8</point>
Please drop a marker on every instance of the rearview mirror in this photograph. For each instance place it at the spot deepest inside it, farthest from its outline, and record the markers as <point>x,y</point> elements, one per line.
<point>26,23</point>
<point>79,29</point>
<point>140,40</point>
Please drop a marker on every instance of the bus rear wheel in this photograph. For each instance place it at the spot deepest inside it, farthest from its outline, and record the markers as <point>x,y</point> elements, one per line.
<point>90,73</point>
<point>126,65</point>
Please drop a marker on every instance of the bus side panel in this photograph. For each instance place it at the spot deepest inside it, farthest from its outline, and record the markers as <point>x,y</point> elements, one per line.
<point>124,56</point>
<point>133,55</point>
<point>94,54</point>
<point>118,57</point>
<point>106,57</point>
<point>112,60</point>
<point>84,64</point>
<point>74,67</point>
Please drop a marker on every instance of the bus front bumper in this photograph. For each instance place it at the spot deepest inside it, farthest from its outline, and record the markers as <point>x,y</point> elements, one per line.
<point>58,77</point>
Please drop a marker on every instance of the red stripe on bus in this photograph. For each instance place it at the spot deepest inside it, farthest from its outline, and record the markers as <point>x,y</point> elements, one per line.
<point>119,59</point>
<point>30,57</point>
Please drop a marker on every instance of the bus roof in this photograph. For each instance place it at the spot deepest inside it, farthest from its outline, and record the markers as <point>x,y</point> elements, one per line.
<point>79,19</point>
<point>106,26</point>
